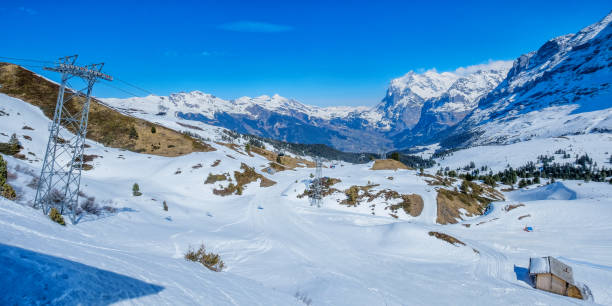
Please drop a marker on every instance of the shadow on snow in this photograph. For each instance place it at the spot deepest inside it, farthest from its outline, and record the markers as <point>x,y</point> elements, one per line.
<point>28,278</point>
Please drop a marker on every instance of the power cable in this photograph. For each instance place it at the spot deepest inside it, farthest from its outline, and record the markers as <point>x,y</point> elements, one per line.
<point>26,60</point>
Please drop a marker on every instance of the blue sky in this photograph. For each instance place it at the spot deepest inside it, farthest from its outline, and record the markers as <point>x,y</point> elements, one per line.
<point>319,52</point>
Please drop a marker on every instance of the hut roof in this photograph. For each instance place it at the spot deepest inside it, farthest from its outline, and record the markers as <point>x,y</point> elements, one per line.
<point>549,264</point>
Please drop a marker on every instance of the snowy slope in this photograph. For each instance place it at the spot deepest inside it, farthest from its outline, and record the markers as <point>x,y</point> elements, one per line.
<point>496,157</point>
<point>275,245</point>
<point>563,88</point>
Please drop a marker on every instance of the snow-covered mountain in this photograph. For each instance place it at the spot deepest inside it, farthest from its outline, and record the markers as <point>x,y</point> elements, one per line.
<point>401,107</point>
<point>347,128</point>
<point>440,112</point>
<point>565,87</point>
<point>446,95</point>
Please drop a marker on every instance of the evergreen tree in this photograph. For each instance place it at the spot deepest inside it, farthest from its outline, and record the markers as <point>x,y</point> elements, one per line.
<point>165,206</point>
<point>136,190</point>
<point>133,134</point>
<point>14,144</point>
<point>153,130</point>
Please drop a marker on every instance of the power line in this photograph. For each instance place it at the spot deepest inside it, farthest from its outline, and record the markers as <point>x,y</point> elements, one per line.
<point>120,89</point>
<point>26,60</point>
<point>137,87</point>
<point>44,61</point>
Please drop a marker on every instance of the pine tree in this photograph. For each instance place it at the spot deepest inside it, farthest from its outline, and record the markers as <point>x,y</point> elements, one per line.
<point>14,144</point>
<point>165,206</point>
<point>136,190</point>
<point>153,130</point>
<point>133,134</point>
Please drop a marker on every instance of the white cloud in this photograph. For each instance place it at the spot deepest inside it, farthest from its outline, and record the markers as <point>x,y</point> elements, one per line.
<point>490,64</point>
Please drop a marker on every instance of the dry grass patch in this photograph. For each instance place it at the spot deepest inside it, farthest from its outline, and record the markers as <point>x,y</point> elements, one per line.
<point>473,198</point>
<point>412,204</point>
<point>448,238</point>
<point>285,161</point>
<point>213,178</point>
<point>436,180</point>
<point>389,164</point>
<point>513,206</point>
<point>326,189</point>
<point>248,175</point>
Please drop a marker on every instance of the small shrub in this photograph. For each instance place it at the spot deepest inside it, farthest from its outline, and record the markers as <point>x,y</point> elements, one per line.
<point>136,190</point>
<point>302,297</point>
<point>90,206</point>
<point>210,260</point>
<point>56,216</point>
<point>165,206</point>
<point>133,134</point>
<point>8,192</point>
<point>3,172</point>
<point>153,130</point>
<point>33,183</point>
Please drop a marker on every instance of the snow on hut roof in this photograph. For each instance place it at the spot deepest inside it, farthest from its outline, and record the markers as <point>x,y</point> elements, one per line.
<point>550,264</point>
<point>538,265</point>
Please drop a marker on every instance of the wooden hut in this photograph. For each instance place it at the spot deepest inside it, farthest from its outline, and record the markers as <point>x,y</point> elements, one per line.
<point>550,274</point>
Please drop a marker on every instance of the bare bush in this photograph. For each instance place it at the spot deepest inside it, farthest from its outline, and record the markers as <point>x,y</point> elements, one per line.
<point>33,183</point>
<point>302,297</point>
<point>89,206</point>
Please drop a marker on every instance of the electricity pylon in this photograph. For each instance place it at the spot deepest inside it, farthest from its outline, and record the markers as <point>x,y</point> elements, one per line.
<point>317,184</point>
<point>60,177</point>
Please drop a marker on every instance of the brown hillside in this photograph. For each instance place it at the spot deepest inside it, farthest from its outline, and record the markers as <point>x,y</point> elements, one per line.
<point>106,125</point>
<point>388,164</point>
<point>474,199</point>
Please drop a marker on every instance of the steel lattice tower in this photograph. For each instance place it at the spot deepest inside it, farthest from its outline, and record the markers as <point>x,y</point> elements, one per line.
<point>317,183</point>
<point>60,176</point>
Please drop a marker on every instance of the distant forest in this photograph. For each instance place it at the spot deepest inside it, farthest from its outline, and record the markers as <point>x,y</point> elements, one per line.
<point>328,152</point>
